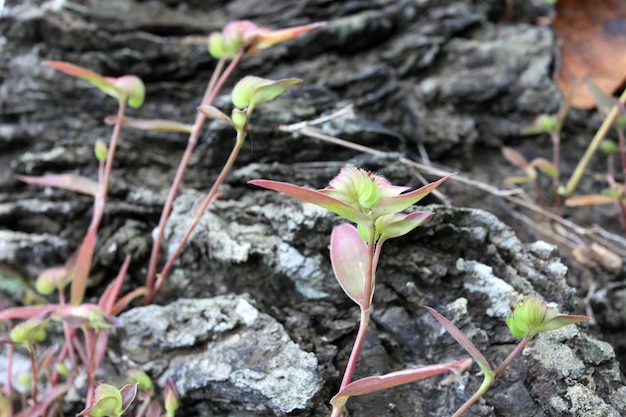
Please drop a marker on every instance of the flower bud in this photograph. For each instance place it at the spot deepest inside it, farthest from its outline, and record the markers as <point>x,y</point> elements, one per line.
<point>528,316</point>
<point>51,279</point>
<point>133,89</point>
<point>29,332</point>
<point>101,151</point>
<point>172,401</point>
<point>139,377</point>
<point>110,401</point>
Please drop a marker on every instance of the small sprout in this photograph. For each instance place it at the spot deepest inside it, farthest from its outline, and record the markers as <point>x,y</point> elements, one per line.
<point>609,147</point>
<point>531,315</point>
<point>172,402</point>
<point>62,369</point>
<point>542,124</point>
<point>251,91</point>
<point>125,88</point>
<point>139,377</point>
<point>100,150</point>
<point>244,35</point>
<point>30,331</point>
<point>52,279</point>
<point>110,401</point>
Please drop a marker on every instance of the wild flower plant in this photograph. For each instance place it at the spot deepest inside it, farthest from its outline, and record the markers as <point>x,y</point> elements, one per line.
<point>376,206</point>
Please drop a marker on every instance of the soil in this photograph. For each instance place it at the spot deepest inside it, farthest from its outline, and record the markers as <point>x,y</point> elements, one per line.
<point>451,81</point>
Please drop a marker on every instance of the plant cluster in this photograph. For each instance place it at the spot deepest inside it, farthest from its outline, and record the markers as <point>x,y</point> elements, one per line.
<point>369,201</point>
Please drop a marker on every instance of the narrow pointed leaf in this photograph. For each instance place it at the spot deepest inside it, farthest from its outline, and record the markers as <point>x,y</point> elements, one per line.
<point>514,157</point>
<point>111,293</point>
<point>266,38</point>
<point>378,383</point>
<point>461,338</point>
<point>589,200</point>
<point>106,85</point>
<point>561,320</point>
<point>403,225</point>
<point>349,256</point>
<point>315,197</point>
<point>214,113</point>
<point>270,91</point>
<point>70,182</point>
<point>155,125</point>
<point>83,266</point>
<point>545,166</point>
<point>517,180</point>
<point>395,204</point>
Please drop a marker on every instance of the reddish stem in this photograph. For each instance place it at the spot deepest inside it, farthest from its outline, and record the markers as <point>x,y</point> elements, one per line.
<point>213,88</point>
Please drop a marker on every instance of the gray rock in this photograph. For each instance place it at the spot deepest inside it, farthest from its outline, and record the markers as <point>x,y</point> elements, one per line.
<point>222,349</point>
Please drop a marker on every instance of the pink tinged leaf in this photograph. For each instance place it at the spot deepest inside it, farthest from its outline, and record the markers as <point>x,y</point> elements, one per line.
<point>461,338</point>
<point>545,166</point>
<point>154,409</point>
<point>378,383</point>
<point>52,394</point>
<point>315,197</point>
<point>349,255</point>
<point>109,297</point>
<point>129,392</point>
<point>401,224</point>
<point>395,204</point>
<point>155,125</point>
<point>26,312</point>
<point>260,38</point>
<point>589,200</point>
<point>70,182</point>
<point>83,266</point>
<point>214,113</point>
<point>105,84</point>
<point>514,157</point>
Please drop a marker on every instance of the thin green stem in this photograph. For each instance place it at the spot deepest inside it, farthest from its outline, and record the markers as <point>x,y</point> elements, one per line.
<point>490,376</point>
<point>215,85</point>
<point>487,382</point>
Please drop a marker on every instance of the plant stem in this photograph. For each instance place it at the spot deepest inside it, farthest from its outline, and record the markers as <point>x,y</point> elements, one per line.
<point>356,348</point>
<point>85,253</point>
<point>593,147</point>
<point>198,216</point>
<point>490,377</point>
<point>213,88</point>
<point>33,365</point>
<point>487,381</point>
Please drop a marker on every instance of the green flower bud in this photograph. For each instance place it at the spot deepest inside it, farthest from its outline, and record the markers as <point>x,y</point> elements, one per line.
<point>355,187</point>
<point>139,377</point>
<point>52,279</point>
<point>216,45</point>
<point>531,315</point>
<point>30,331</point>
<point>171,398</point>
<point>110,401</point>
<point>133,89</point>
<point>240,119</point>
<point>101,151</point>
<point>251,91</point>
<point>62,369</point>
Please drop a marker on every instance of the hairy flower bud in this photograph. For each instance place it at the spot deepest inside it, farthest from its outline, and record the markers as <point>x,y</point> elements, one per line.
<point>528,315</point>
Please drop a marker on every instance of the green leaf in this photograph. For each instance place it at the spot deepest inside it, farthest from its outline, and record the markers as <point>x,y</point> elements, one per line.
<point>252,91</point>
<point>395,225</point>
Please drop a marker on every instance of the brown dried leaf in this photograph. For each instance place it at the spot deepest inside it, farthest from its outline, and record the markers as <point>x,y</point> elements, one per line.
<point>592,38</point>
